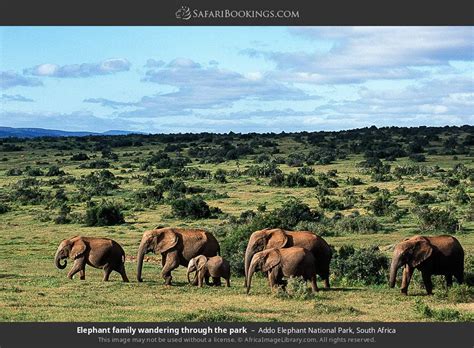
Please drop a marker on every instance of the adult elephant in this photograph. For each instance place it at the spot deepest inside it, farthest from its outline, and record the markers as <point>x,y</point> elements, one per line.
<point>439,255</point>
<point>279,238</point>
<point>177,246</point>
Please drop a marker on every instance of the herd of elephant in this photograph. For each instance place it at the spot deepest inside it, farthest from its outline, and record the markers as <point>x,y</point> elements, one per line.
<point>276,252</point>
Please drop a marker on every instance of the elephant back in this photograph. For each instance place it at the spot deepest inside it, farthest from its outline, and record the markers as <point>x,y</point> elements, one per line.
<point>194,242</point>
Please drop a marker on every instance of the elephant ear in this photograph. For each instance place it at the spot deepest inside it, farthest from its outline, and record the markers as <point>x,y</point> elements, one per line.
<point>276,239</point>
<point>272,259</point>
<point>166,240</point>
<point>78,248</point>
<point>201,261</point>
<point>421,251</point>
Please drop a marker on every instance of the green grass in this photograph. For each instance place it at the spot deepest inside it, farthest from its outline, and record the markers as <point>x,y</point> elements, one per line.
<point>32,289</point>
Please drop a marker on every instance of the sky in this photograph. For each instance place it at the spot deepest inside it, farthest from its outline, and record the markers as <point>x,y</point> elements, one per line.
<point>240,79</point>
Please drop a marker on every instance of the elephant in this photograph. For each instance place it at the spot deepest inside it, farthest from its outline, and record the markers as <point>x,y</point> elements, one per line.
<point>177,246</point>
<point>279,238</point>
<point>439,255</point>
<point>102,253</point>
<point>286,262</point>
<point>205,267</point>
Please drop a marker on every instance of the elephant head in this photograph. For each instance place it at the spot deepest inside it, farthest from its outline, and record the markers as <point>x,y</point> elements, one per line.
<point>263,239</point>
<point>73,248</point>
<point>157,241</point>
<point>263,260</point>
<point>196,265</point>
<point>411,252</point>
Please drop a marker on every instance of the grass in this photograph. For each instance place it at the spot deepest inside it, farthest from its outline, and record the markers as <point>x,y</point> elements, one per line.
<point>32,289</point>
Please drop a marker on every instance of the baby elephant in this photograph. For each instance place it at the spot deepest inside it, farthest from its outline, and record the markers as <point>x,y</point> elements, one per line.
<point>286,262</point>
<point>98,252</point>
<point>205,267</point>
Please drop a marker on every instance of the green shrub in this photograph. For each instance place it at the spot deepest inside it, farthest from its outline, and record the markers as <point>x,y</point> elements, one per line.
<point>79,157</point>
<point>445,314</point>
<point>27,191</point>
<point>435,219</point>
<point>418,198</point>
<point>360,224</point>
<point>360,266</point>
<point>99,164</point>
<point>104,214</point>
<point>14,172</point>
<point>296,288</point>
<point>233,242</point>
<point>382,204</point>
<point>194,207</point>
<point>54,171</point>
<point>98,183</point>
<point>4,208</point>
<point>149,197</point>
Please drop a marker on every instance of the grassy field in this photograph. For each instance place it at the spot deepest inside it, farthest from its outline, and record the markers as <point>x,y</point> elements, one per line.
<point>32,289</point>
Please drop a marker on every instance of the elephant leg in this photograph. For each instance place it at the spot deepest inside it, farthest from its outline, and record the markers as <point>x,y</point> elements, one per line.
<point>172,262</point>
<point>427,281</point>
<point>82,273</point>
<point>122,272</point>
<point>216,281</point>
<point>449,280</point>
<point>326,282</point>
<point>406,277</point>
<point>200,277</point>
<point>227,282</point>
<point>460,276</point>
<point>206,279</point>
<point>107,270</point>
<point>314,285</point>
<point>79,264</point>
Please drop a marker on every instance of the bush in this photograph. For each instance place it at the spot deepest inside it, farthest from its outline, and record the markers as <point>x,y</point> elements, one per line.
<point>54,171</point>
<point>149,197</point>
<point>418,198</point>
<point>383,204</point>
<point>98,183</point>
<point>4,208</point>
<point>417,157</point>
<point>220,176</point>
<point>194,207</point>
<point>372,189</point>
<point>268,169</point>
<point>233,244</point>
<point>358,224</point>
<point>354,181</point>
<point>296,288</point>
<point>79,157</point>
<point>445,314</point>
<point>99,164</point>
<point>292,212</point>
<point>27,191</point>
<point>104,214</point>
<point>360,266</point>
<point>14,172</point>
<point>436,220</point>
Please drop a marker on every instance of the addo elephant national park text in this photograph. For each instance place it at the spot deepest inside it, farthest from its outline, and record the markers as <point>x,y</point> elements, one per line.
<point>370,224</point>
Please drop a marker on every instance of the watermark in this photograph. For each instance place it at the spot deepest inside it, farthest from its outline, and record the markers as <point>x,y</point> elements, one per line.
<point>185,13</point>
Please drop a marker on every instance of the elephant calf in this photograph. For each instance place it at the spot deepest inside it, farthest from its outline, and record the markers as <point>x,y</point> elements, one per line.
<point>441,255</point>
<point>98,252</point>
<point>205,267</point>
<point>285,262</point>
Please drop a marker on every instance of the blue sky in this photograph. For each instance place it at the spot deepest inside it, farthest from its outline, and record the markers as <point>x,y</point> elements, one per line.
<point>241,79</point>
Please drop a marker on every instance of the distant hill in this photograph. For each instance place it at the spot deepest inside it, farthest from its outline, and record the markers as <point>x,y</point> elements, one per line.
<point>6,132</point>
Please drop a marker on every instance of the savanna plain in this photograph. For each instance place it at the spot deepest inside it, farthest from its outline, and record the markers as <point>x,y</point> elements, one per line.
<point>362,190</point>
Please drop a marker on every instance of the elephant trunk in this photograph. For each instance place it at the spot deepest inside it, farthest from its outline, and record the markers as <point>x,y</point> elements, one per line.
<point>140,256</point>
<point>248,279</point>
<point>249,252</point>
<point>393,270</point>
<point>57,260</point>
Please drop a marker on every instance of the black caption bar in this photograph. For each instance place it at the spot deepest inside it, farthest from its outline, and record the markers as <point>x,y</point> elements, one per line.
<point>241,12</point>
<point>102,335</point>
